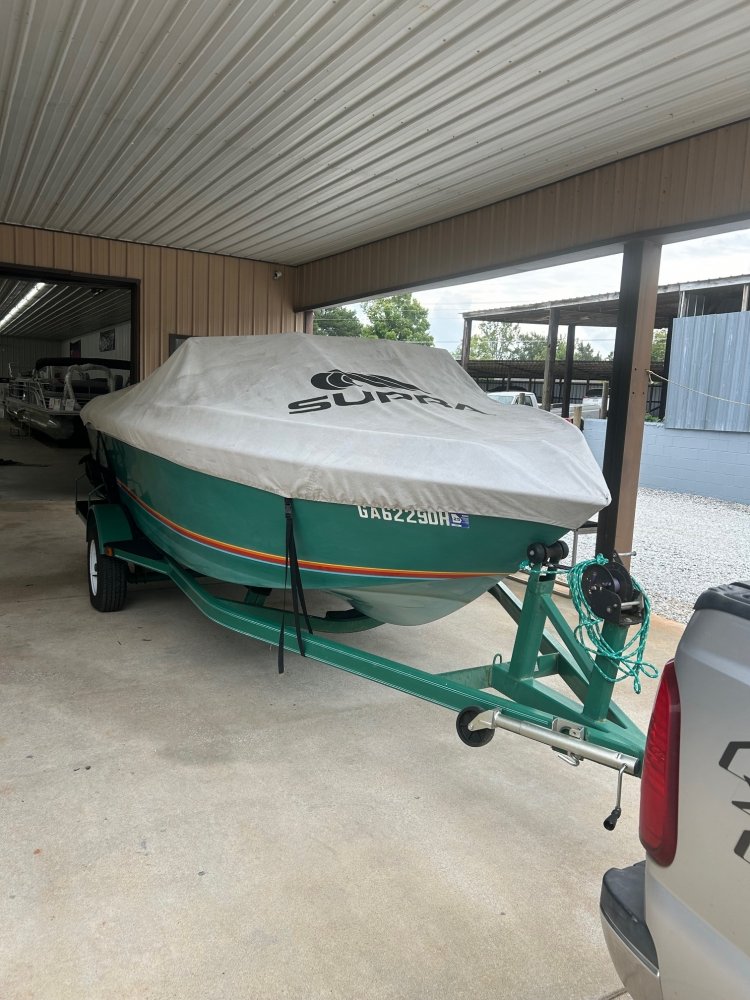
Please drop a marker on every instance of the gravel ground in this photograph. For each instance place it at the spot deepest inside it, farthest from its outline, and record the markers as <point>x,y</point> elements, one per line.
<point>683,545</point>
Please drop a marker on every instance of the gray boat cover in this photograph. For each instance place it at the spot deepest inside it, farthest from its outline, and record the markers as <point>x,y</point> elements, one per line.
<point>354,421</point>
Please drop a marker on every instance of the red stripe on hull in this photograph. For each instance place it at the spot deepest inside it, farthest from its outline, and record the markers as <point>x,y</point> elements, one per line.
<point>270,557</point>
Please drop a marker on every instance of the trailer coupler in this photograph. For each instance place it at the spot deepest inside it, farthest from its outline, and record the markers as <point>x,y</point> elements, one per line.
<point>568,740</point>
<point>576,747</point>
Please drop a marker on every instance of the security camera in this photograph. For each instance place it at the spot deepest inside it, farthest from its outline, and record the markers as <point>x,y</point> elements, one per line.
<point>276,275</point>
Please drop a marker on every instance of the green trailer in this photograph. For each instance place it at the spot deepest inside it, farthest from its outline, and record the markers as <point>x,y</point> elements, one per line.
<point>509,694</point>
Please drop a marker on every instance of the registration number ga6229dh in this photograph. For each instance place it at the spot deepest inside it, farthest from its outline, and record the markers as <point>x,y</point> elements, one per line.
<point>447,518</point>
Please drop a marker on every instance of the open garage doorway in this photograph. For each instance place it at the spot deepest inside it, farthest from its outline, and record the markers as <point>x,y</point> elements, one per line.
<point>62,342</point>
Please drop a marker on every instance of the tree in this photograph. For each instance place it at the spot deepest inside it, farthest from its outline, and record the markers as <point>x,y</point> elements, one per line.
<point>493,341</point>
<point>583,351</point>
<point>497,341</point>
<point>530,347</point>
<point>400,317</point>
<point>659,345</point>
<point>337,321</point>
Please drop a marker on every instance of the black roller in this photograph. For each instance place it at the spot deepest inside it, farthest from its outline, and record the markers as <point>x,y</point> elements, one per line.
<point>472,738</point>
<point>538,553</point>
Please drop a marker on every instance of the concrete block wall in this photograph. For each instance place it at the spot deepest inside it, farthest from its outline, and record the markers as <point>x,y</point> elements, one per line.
<point>705,463</point>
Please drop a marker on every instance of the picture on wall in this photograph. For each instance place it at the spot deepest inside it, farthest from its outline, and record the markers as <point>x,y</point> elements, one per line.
<point>106,341</point>
<point>75,348</point>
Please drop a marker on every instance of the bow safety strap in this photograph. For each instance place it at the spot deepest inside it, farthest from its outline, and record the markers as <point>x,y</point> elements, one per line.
<point>293,575</point>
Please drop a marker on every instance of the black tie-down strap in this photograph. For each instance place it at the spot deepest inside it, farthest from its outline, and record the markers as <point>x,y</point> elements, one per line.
<point>98,473</point>
<point>291,570</point>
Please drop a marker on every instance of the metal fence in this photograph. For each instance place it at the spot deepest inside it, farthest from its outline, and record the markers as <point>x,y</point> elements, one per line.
<point>709,373</point>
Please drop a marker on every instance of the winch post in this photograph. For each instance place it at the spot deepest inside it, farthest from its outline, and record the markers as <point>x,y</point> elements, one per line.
<point>532,620</point>
<point>536,654</point>
<point>602,681</point>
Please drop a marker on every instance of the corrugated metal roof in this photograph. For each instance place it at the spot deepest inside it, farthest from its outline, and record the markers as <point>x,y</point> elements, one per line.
<point>717,295</point>
<point>291,130</point>
<point>61,311</point>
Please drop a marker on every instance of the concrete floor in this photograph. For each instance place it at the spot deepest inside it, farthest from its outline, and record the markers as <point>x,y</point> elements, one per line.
<point>178,821</point>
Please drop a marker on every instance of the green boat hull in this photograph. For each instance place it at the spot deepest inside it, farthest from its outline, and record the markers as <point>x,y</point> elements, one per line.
<point>393,565</point>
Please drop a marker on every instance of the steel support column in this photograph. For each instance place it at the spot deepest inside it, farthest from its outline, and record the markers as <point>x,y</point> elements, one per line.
<point>466,345</point>
<point>549,363</point>
<point>570,348</point>
<point>629,390</point>
<point>309,320</point>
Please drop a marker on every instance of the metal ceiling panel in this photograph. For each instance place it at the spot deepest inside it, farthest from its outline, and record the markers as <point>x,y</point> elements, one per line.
<point>61,311</point>
<point>292,130</point>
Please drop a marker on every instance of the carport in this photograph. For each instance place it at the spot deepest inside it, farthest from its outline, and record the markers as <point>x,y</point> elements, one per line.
<point>181,821</point>
<point>188,152</point>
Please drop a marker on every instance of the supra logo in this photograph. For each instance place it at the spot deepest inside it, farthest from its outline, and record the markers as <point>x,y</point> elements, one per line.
<point>342,380</point>
<point>387,390</point>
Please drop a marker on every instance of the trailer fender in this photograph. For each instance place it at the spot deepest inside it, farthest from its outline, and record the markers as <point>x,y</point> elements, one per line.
<point>111,523</point>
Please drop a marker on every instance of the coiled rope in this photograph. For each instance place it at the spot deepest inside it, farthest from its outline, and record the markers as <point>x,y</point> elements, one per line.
<point>630,660</point>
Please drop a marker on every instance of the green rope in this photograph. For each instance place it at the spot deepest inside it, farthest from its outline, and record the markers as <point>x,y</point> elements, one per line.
<point>630,660</point>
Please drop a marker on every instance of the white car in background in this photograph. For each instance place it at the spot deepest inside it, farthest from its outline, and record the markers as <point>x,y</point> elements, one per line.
<point>514,397</point>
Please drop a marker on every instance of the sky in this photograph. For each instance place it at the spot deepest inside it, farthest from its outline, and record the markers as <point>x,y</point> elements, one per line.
<point>692,260</point>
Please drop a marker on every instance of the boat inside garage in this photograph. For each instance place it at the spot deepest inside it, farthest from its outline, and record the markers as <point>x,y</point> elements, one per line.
<point>179,818</point>
<point>61,344</point>
<point>50,330</point>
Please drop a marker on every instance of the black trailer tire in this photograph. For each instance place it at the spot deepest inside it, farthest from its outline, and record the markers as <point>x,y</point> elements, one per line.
<point>108,577</point>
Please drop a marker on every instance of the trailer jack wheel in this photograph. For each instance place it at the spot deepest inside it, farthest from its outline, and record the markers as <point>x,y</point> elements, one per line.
<point>478,738</point>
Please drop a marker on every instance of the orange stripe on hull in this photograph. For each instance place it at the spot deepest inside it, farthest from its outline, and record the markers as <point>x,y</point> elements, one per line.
<point>270,557</point>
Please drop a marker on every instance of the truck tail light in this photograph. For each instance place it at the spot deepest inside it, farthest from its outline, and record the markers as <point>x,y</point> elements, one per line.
<point>661,772</point>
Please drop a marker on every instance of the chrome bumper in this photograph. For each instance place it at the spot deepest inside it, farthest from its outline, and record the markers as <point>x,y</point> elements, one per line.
<point>626,933</point>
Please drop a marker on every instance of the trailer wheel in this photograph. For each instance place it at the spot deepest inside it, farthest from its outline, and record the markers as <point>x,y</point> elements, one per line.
<point>108,577</point>
<point>472,738</point>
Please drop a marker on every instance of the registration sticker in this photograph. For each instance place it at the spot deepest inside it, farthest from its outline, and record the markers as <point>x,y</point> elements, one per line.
<point>448,519</point>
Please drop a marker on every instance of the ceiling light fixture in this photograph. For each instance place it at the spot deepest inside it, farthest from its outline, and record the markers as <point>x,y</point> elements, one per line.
<point>22,303</point>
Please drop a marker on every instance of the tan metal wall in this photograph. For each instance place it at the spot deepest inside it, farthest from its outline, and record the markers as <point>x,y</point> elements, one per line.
<point>181,291</point>
<point>696,182</point>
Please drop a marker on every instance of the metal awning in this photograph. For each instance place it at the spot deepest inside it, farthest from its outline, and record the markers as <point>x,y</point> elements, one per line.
<point>717,295</point>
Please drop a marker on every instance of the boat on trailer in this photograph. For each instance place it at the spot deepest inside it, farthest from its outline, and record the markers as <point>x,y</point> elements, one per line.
<point>411,492</point>
<point>377,472</point>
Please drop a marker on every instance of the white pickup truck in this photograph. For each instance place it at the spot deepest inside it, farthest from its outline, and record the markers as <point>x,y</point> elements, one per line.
<point>677,925</point>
